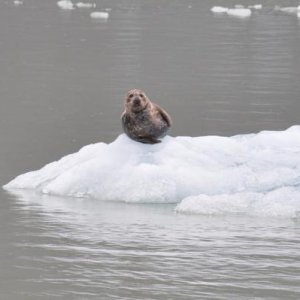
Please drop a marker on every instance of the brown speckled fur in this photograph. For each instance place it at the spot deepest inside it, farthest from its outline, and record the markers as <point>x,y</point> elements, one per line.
<point>142,120</point>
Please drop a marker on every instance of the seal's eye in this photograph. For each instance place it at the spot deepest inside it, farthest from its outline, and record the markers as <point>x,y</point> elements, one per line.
<point>130,96</point>
<point>141,95</point>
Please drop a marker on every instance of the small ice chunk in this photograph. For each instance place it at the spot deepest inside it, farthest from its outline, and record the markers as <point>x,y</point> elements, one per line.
<point>281,202</point>
<point>239,12</point>
<point>99,15</point>
<point>298,14</point>
<point>255,6</point>
<point>239,6</point>
<point>219,9</point>
<point>85,5</point>
<point>65,4</point>
<point>288,10</point>
<point>18,2</point>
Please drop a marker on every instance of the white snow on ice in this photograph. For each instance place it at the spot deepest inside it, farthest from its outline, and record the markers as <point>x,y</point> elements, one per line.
<point>253,173</point>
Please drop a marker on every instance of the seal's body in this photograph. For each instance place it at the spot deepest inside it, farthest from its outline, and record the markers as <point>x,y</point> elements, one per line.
<point>142,120</point>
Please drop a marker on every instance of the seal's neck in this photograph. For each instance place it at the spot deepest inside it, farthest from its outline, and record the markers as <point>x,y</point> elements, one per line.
<point>147,105</point>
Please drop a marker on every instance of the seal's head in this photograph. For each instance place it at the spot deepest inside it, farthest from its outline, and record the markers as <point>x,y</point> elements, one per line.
<point>136,101</point>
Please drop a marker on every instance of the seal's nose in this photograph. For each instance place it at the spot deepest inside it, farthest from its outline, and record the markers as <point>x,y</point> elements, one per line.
<point>136,101</point>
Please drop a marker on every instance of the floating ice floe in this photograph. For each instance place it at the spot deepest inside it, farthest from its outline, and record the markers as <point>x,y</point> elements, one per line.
<point>219,9</point>
<point>239,12</point>
<point>282,202</point>
<point>18,2</point>
<point>256,173</point>
<point>288,10</point>
<point>65,4</point>
<point>255,6</point>
<point>99,15</point>
<point>85,5</point>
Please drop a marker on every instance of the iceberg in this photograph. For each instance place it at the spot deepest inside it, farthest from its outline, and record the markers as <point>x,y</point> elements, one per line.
<point>257,173</point>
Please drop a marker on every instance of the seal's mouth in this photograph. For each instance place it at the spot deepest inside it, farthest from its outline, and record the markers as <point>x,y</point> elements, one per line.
<point>136,102</point>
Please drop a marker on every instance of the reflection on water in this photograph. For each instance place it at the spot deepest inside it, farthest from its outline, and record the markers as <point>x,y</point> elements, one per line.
<point>62,81</point>
<point>86,248</point>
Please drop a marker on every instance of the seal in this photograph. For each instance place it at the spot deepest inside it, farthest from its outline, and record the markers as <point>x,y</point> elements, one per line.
<point>144,121</point>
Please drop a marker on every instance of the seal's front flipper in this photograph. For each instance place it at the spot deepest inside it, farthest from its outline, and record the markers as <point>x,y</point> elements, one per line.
<point>148,140</point>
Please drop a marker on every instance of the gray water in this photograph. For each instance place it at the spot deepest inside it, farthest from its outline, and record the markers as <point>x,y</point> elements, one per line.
<point>63,78</point>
